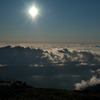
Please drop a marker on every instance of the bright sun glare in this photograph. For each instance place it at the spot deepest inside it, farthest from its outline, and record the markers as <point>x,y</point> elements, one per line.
<point>33,11</point>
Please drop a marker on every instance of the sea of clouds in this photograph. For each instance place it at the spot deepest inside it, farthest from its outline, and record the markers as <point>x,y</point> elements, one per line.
<point>51,65</point>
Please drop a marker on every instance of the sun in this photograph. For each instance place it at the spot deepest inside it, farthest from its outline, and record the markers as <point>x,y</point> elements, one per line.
<point>33,11</point>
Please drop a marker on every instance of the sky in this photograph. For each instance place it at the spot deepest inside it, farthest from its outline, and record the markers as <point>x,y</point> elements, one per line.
<point>57,21</point>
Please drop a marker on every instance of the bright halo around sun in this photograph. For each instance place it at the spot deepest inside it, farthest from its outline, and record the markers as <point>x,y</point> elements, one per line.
<point>33,11</point>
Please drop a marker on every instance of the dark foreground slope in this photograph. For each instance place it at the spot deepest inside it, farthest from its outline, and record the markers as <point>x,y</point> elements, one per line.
<point>21,91</point>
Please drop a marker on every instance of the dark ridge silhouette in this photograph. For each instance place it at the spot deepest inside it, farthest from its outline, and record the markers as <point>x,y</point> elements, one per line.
<point>92,88</point>
<point>17,90</point>
<point>12,84</point>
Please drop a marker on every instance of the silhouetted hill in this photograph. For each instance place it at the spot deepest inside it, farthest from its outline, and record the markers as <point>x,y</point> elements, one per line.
<point>94,87</point>
<point>12,84</point>
<point>17,90</point>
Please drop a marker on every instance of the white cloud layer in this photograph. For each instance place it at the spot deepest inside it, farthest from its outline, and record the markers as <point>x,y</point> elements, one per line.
<point>84,84</point>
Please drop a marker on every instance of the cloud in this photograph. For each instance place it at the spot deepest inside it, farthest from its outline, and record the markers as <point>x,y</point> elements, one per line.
<point>36,65</point>
<point>44,68</point>
<point>22,56</point>
<point>81,58</point>
<point>98,70</point>
<point>3,65</point>
<point>26,56</point>
<point>84,84</point>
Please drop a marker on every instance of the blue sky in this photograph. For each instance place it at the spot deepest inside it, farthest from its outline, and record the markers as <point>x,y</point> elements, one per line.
<point>57,21</point>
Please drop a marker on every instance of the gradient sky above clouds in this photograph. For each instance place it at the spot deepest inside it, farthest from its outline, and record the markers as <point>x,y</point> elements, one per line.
<point>57,21</point>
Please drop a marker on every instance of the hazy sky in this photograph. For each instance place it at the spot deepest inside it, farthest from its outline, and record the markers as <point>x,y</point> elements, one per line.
<point>57,21</point>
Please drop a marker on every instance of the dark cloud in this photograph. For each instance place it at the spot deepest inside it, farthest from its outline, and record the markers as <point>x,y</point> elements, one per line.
<point>21,56</point>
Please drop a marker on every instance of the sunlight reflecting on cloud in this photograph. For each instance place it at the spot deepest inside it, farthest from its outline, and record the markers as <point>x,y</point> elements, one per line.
<point>93,81</point>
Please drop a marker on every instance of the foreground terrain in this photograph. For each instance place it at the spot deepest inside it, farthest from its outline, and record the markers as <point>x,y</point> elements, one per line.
<point>18,90</point>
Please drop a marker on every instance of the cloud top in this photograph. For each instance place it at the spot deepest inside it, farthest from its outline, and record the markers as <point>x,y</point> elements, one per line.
<point>84,84</point>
